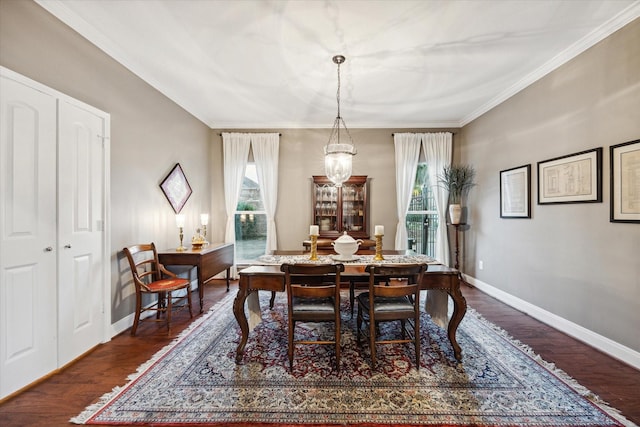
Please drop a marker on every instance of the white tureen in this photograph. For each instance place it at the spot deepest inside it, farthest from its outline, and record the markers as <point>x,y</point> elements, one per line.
<point>346,246</point>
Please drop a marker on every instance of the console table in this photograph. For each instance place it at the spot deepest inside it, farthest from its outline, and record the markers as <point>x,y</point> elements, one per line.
<point>210,260</point>
<point>269,278</point>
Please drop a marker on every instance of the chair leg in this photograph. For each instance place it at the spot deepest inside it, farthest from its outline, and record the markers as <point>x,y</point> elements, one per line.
<point>337,338</point>
<point>292,326</point>
<point>352,295</point>
<point>358,324</point>
<point>372,342</point>
<point>169,309</point>
<point>417,340</point>
<point>161,304</point>
<point>136,318</point>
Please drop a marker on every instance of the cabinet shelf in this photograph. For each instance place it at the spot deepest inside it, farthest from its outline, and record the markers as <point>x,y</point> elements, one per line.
<point>340,209</point>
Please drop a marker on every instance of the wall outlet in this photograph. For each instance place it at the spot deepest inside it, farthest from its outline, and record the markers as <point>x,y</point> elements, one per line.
<point>481,265</point>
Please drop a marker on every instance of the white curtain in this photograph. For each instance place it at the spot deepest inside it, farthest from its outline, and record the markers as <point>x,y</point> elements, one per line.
<point>407,148</point>
<point>437,151</point>
<point>235,147</point>
<point>265,153</point>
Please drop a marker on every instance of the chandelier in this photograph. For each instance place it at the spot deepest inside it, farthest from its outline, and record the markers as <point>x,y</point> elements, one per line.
<point>338,154</point>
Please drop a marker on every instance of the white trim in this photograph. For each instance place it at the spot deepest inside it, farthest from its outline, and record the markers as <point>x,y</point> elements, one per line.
<point>604,344</point>
<point>598,34</point>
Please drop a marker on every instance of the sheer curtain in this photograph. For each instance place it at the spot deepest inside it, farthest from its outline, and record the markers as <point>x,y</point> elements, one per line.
<point>235,147</point>
<point>437,150</point>
<point>407,148</point>
<point>265,153</point>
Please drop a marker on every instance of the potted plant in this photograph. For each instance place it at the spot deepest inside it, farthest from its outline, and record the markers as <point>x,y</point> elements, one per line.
<point>458,180</point>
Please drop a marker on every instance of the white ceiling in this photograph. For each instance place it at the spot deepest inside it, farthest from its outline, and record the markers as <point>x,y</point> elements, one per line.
<point>267,64</point>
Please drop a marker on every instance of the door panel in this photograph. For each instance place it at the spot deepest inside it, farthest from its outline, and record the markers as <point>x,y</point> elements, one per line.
<point>80,210</point>
<point>28,334</point>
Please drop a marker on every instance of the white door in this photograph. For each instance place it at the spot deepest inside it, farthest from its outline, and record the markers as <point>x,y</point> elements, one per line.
<point>81,186</point>
<point>28,310</point>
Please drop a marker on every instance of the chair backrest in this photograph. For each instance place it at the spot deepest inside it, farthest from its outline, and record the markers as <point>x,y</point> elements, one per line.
<point>312,280</point>
<point>144,263</point>
<point>382,278</point>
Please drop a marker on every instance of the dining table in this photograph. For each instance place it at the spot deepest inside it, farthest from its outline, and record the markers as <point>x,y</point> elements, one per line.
<point>264,274</point>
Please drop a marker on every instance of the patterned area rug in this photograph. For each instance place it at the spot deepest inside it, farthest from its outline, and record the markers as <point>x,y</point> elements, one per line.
<point>195,380</point>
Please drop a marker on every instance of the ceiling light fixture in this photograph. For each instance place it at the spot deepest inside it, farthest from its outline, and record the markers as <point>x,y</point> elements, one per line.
<point>338,155</point>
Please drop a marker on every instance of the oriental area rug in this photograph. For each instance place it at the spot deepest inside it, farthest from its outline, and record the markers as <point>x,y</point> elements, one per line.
<point>195,380</point>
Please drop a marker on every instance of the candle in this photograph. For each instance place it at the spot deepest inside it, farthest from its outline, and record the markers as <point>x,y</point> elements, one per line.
<point>180,221</point>
<point>379,230</point>
<point>313,230</point>
<point>204,219</point>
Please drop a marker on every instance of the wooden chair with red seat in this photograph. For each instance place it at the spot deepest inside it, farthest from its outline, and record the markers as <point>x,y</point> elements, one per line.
<point>151,277</point>
<point>394,295</point>
<point>313,295</point>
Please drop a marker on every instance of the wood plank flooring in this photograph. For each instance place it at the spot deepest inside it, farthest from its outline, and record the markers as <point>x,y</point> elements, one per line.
<point>55,400</point>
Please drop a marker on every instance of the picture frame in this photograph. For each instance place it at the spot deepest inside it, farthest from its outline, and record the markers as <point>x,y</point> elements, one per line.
<point>574,178</point>
<point>176,188</point>
<point>625,181</point>
<point>515,192</point>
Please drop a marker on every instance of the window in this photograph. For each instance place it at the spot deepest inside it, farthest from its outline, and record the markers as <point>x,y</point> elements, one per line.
<point>250,219</point>
<point>422,217</point>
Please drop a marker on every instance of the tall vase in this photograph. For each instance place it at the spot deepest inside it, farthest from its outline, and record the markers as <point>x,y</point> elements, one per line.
<point>455,212</point>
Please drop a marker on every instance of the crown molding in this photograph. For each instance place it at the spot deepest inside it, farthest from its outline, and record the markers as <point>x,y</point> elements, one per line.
<point>611,26</point>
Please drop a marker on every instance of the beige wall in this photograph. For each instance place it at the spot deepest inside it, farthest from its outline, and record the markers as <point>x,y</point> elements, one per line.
<point>149,133</point>
<point>567,259</point>
<point>302,156</point>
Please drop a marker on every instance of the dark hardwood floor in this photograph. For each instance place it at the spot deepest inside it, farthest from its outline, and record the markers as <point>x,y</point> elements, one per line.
<point>55,400</point>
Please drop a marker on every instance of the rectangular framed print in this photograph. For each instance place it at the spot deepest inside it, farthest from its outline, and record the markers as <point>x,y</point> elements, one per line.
<point>515,192</point>
<point>575,178</point>
<point>625,181</point>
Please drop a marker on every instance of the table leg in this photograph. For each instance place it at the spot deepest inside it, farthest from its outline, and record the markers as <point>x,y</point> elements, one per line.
<point>459,310</point>
<point>201,289</point>
<point>241,318</point>
<point>228,277</point>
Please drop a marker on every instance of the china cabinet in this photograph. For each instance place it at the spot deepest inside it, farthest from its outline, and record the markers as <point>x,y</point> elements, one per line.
<point>339,209</point>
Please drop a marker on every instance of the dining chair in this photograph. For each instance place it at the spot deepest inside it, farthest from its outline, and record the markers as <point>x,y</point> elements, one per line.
<point>313,295</point>
<point>152,278</point>
<point>394,295</point>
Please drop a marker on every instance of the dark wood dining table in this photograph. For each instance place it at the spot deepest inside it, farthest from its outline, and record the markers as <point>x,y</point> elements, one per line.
<point>269,278</point>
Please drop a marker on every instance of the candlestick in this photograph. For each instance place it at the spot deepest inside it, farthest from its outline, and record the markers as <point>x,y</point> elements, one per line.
<point>180,225</point>
<point>314,230</point>
<point>204,220</point>
<point>314,247</point>
<point>378,256</point>
<point>181,248</point>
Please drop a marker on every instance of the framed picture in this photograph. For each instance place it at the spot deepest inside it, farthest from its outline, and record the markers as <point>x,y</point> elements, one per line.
<point>176,188</point>
<point>515,192</point>
<point>575,178</point>
<point>625,181</point>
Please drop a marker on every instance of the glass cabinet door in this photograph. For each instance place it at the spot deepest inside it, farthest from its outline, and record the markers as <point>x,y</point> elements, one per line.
<point>336,210</point>
<point>353,207</point>
<point>326,208</point>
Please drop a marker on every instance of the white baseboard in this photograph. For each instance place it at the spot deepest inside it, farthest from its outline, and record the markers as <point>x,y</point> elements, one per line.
<point>610,347</point>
